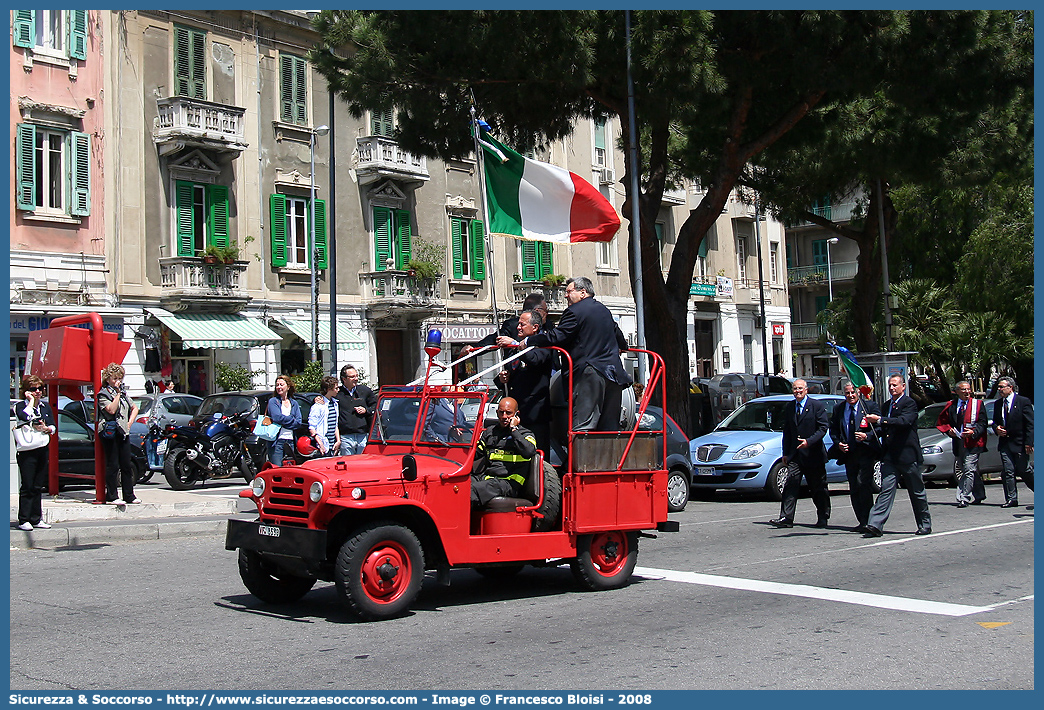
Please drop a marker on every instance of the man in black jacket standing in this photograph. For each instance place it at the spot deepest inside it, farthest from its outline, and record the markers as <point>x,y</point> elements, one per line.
<point>1013,423</point>
<point>528,380</point>
<point>902,457</point>
<point>588,332</point>
<point>804,426</point>
<point>356,405</point>
<point>859,449</point>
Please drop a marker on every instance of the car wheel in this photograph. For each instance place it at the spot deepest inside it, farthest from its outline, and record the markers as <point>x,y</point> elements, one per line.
<point>268,583</point>
<point>677,490</point>
<point>875,485</point>
<point>775,482</point>
<point>379,570</point>
<point>605,560</point>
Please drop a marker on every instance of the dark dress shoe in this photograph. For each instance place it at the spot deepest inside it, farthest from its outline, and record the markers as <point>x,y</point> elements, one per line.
<point>1010,504</point>
<point>871,531</point>
<point>962,504</point>
<point>781,523</point>
<point>923,531</point>
<point>859,528</point>
<point>821,523</point>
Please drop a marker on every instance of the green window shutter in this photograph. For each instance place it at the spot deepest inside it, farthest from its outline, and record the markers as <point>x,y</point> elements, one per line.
<point>529,260</point>
<point>478,250</point>
<point>382,237</point>
<point>404,241</point>
<point>819,251</point>
<point>458,248</point>
<point>25,167</point>
<point>320,234</point>
<point>78,34</point>
<point>81,175</point>
<point>300,91</point>
<point>183,193</point>
<point>24,28</point>
<point>822,303</point>
<point>286,88</point>
<point>182,61</point>
<point>545,251</point>
<point>790,257</point>
<point>703,248</point>
<point>217,214</point>
<point>199,65</point>
<point>190,63</point>
<point>277,218</point>
<point>383,122</point>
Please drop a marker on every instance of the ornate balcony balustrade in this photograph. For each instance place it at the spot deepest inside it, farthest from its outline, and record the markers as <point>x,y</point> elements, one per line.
<point>183,121</point>
<point>383,157</point>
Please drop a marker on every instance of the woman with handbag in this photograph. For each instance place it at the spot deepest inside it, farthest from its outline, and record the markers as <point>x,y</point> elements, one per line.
<point>37,425</point>
<point>284,411</point>
<point>117,412</point>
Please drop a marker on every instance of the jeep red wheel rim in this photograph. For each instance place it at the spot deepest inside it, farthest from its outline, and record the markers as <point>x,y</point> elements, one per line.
<point>608,553</point>
<point>386,572</point>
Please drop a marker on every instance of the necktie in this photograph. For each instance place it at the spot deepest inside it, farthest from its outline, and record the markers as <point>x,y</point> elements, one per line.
<point>1005,411</point>
<point>960,412</point>
<point>851,422</point>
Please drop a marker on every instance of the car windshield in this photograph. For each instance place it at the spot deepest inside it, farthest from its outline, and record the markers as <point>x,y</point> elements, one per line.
<point>756,415</point>
<point>929,416</point>
<point>451,419</point>
<point>226,404</point>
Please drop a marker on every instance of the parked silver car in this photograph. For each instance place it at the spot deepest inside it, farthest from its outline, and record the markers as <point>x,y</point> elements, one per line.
<point>937,448</point>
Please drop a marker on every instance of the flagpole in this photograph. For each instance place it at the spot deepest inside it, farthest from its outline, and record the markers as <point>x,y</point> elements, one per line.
<point>636,224</point>
<point>487,241</point>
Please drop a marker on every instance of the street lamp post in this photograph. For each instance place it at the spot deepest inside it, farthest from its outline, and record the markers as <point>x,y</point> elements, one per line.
<point>317,131</point>
<point>830,280</point>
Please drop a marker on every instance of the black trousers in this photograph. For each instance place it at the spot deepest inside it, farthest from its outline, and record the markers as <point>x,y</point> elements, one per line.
<point>815,475</point>
<point>483,489</point>
<point>32,470</point>
<point>118,468</point>
<point>860,472</point>
<point>596,402</point>
<point>1015,462</point>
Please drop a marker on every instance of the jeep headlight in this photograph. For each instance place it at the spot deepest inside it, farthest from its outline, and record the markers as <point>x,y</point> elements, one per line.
<point>315,492</point>
<point>931,449</point>
<point>748,452</point>
<point>257,487</point>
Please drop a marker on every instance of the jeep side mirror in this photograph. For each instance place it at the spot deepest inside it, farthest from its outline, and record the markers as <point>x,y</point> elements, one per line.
<point>409,468</point>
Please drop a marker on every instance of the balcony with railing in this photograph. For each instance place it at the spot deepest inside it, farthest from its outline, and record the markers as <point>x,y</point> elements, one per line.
<point>806,332</point>
<point>396,290</point>
<point>189,279</point>
<point>381,157</point>
<point>553,295</point>
<point>835,213</point>
<point>191,122</point>
<point>817,275</point>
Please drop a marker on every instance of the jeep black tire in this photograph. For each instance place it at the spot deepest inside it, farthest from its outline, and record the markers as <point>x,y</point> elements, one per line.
<point>551,506</point>
<point>379,570</point>
<point>268,583</point>
<point>605,560</point>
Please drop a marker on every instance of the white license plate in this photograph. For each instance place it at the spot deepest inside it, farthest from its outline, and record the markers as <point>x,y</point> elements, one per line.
<point>267,530</point>
<point>161,447</point>
<point>706,471</point>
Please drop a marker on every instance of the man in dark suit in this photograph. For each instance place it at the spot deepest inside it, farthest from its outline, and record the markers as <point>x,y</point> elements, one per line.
<point>1013,423</point>
<point>528,380</point>
<point>964,421</point>
<point>804,454</point>
<point>509,328</point>
<point>588,332</point>
<point>859,448</point>
<point>902,457</point>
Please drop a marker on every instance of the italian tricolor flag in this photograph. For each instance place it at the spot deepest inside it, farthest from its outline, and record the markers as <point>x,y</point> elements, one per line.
<point>539,201</point>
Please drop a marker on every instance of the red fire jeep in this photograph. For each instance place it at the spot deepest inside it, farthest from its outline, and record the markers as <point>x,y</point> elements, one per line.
<point>375,522</point>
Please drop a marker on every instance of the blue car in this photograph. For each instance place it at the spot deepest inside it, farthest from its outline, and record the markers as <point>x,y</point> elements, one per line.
<point>744,451</point>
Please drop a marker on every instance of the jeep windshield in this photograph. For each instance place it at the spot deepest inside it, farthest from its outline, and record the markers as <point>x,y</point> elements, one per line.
<point>449,419</point>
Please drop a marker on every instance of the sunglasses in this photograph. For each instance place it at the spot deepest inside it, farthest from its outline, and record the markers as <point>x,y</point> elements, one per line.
<point>34,389</point>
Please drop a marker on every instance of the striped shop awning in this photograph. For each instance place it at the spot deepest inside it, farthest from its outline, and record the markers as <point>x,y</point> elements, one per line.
<point>216,330</point>
<point>347,339</point>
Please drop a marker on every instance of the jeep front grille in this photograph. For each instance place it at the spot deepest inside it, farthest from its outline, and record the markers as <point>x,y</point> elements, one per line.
<point>286,501</point>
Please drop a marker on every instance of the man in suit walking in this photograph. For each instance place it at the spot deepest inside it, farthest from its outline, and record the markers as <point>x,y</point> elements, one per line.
<point>860,448</point>
<point>1013,423</point>
<point>964,421</point>
<point>902,457</point>
<point>804,426</point>
<point>588,332</point>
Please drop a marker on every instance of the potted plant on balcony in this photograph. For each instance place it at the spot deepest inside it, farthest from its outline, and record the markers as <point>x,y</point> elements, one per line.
<point>211,255</point>
<point>229,254</point>
<point>553,280</point>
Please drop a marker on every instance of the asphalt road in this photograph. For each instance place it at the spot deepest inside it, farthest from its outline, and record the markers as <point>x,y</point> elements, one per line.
<point>726,603</point>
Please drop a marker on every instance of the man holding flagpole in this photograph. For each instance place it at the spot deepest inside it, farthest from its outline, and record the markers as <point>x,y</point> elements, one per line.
<point>859,449</point>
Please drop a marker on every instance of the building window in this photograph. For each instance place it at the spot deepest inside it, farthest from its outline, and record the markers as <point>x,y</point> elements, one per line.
<point>536,259</point>
<point>741,258</point>
<point>53,171</point>
<point>790,256</point>
<point>293,91</point>
<point>607,255</point>
<point>469,248</point>
<point>819,252</point>
<point>382,123</point>
<point>190,69</point>
<point>774,262</point>
<point>392,236</point>
<point>201,216</point>
<point>61,33</point>
<point>291,219</point>
<point>599,142</point>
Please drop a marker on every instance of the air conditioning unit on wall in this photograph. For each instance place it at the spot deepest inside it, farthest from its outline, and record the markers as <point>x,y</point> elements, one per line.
<point>606,176</point>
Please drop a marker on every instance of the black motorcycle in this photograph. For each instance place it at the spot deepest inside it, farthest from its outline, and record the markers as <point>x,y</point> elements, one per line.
<point>217,449</point>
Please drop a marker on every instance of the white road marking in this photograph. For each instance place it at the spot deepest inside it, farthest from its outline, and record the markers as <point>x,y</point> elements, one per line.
<point>881,601</point>
<point>927,538</point>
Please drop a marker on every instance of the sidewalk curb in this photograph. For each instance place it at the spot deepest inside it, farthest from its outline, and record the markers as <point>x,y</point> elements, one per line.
<point>81,534</point>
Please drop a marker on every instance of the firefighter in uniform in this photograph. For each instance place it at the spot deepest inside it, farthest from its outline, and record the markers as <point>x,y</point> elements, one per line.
<point>503,457</point>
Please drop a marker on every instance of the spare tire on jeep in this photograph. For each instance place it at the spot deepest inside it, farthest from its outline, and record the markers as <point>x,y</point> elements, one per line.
<point>551,505</point>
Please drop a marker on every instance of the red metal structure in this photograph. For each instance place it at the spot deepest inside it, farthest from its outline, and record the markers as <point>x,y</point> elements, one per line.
<point>63,355</point>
